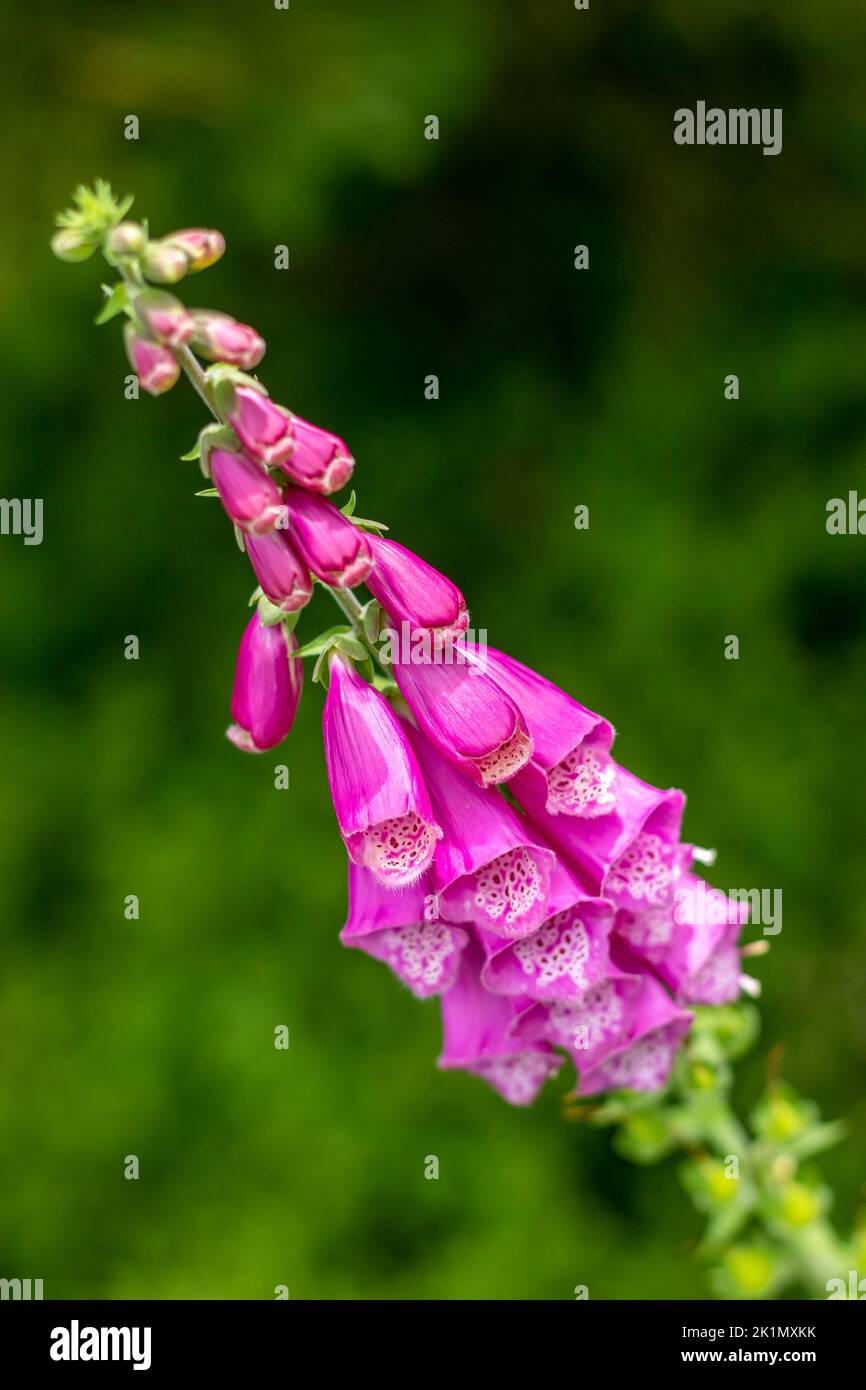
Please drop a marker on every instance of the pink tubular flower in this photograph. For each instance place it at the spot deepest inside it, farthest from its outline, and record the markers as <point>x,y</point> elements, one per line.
<point>250,496</point>
<point>488,868</point>
<point>282,576</point>
<point>319,461</point>
<point>632,853</point>
<point>262,427</point>
<point>413,592</point>
<point>156,368</point>
<point>202,246</point>
<point>571,761</point>
<point>692,945</point>
<point>645,1048</point>
<point>467,715</point>
<point>220,338</point>
<point>568,953</point>
<point>335,551</point>
<point>382,806</point>
<point>477,1037</point>
<point>267,687</point>
<point>164,317</point>
<point>394,925</point>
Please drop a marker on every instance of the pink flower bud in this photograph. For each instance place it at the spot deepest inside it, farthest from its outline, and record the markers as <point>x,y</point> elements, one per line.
<point>164,264</point>
<point>413,592</point>
<point>250,496</point>
<point>283,577</point>
<point>336,551</point>
<point>264,430</point>
<point>220,338</point>
<point>126,239</point>
<point>164,317</point>
<point>202,246</point>
<point>319,461</point>
<point>156,368</point>
<point>267,687</point>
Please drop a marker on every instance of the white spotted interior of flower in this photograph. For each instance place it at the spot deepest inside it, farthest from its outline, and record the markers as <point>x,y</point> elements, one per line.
<point>505,760</point>
<point>717,981</point>
<point>582,784</point>
<point>646,871</point>
<point>399,850</point>
<point>559,948</point>
<point>649,929</point>
<point>518,1076</point>
<point>424,954</point>
<point>583,1024</point>
<point>508,888</point>
<point>644,1066</point>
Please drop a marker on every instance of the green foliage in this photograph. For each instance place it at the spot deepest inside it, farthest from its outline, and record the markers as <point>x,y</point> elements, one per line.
<point>766,1216</point>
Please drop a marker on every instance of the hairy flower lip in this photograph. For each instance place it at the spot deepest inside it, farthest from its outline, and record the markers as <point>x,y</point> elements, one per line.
<point>395,925</point>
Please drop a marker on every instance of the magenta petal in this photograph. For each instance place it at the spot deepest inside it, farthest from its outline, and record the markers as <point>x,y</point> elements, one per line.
<point>414,593</point>
<point>379,796</point>
<point>630,854</point>
<point>394,925</point>
<point>267,688</point>
<point>643,1060</point>
<point>566,955</point>
<point>320,461</point>
<point>477,1037</point>
<point>250,496</point>
<point>279,570</point>
<point>335,550</point>
<point>262,427</point>
<point>571,745</point>
<point>466,715</point>
<point>489,868</point>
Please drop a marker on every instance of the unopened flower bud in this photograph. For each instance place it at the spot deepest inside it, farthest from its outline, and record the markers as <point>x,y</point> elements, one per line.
<point>284,579</point>
<point>220,338</point>
<point>156,368</point>
<point>126,239</point>
<point>163,263</point>
<point>249,494</point>
<point>164,317</point>
<point>267,689</point>
<point>70,245</point>
<point>319,460</point>
<point>262,427</point>
<point>202,246</point>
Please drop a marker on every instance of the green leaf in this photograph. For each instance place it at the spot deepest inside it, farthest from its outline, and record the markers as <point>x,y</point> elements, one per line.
<point>364,523</point>
<point>208,492</point>
<point>350,646</point>
<point>194,453</point>
<point>116,302</point>
<point>323,642</point>
<point>269,613</point>
<point>371,620</point>
<point>349,509</point>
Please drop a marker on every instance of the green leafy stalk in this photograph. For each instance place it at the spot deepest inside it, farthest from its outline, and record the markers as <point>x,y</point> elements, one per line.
<point>766,1206</point>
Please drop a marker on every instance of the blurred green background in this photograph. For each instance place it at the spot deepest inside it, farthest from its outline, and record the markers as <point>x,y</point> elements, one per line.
<point>558,387</point>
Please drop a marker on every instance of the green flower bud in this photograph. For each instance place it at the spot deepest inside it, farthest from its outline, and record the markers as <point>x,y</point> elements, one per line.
<point>70,245</point>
